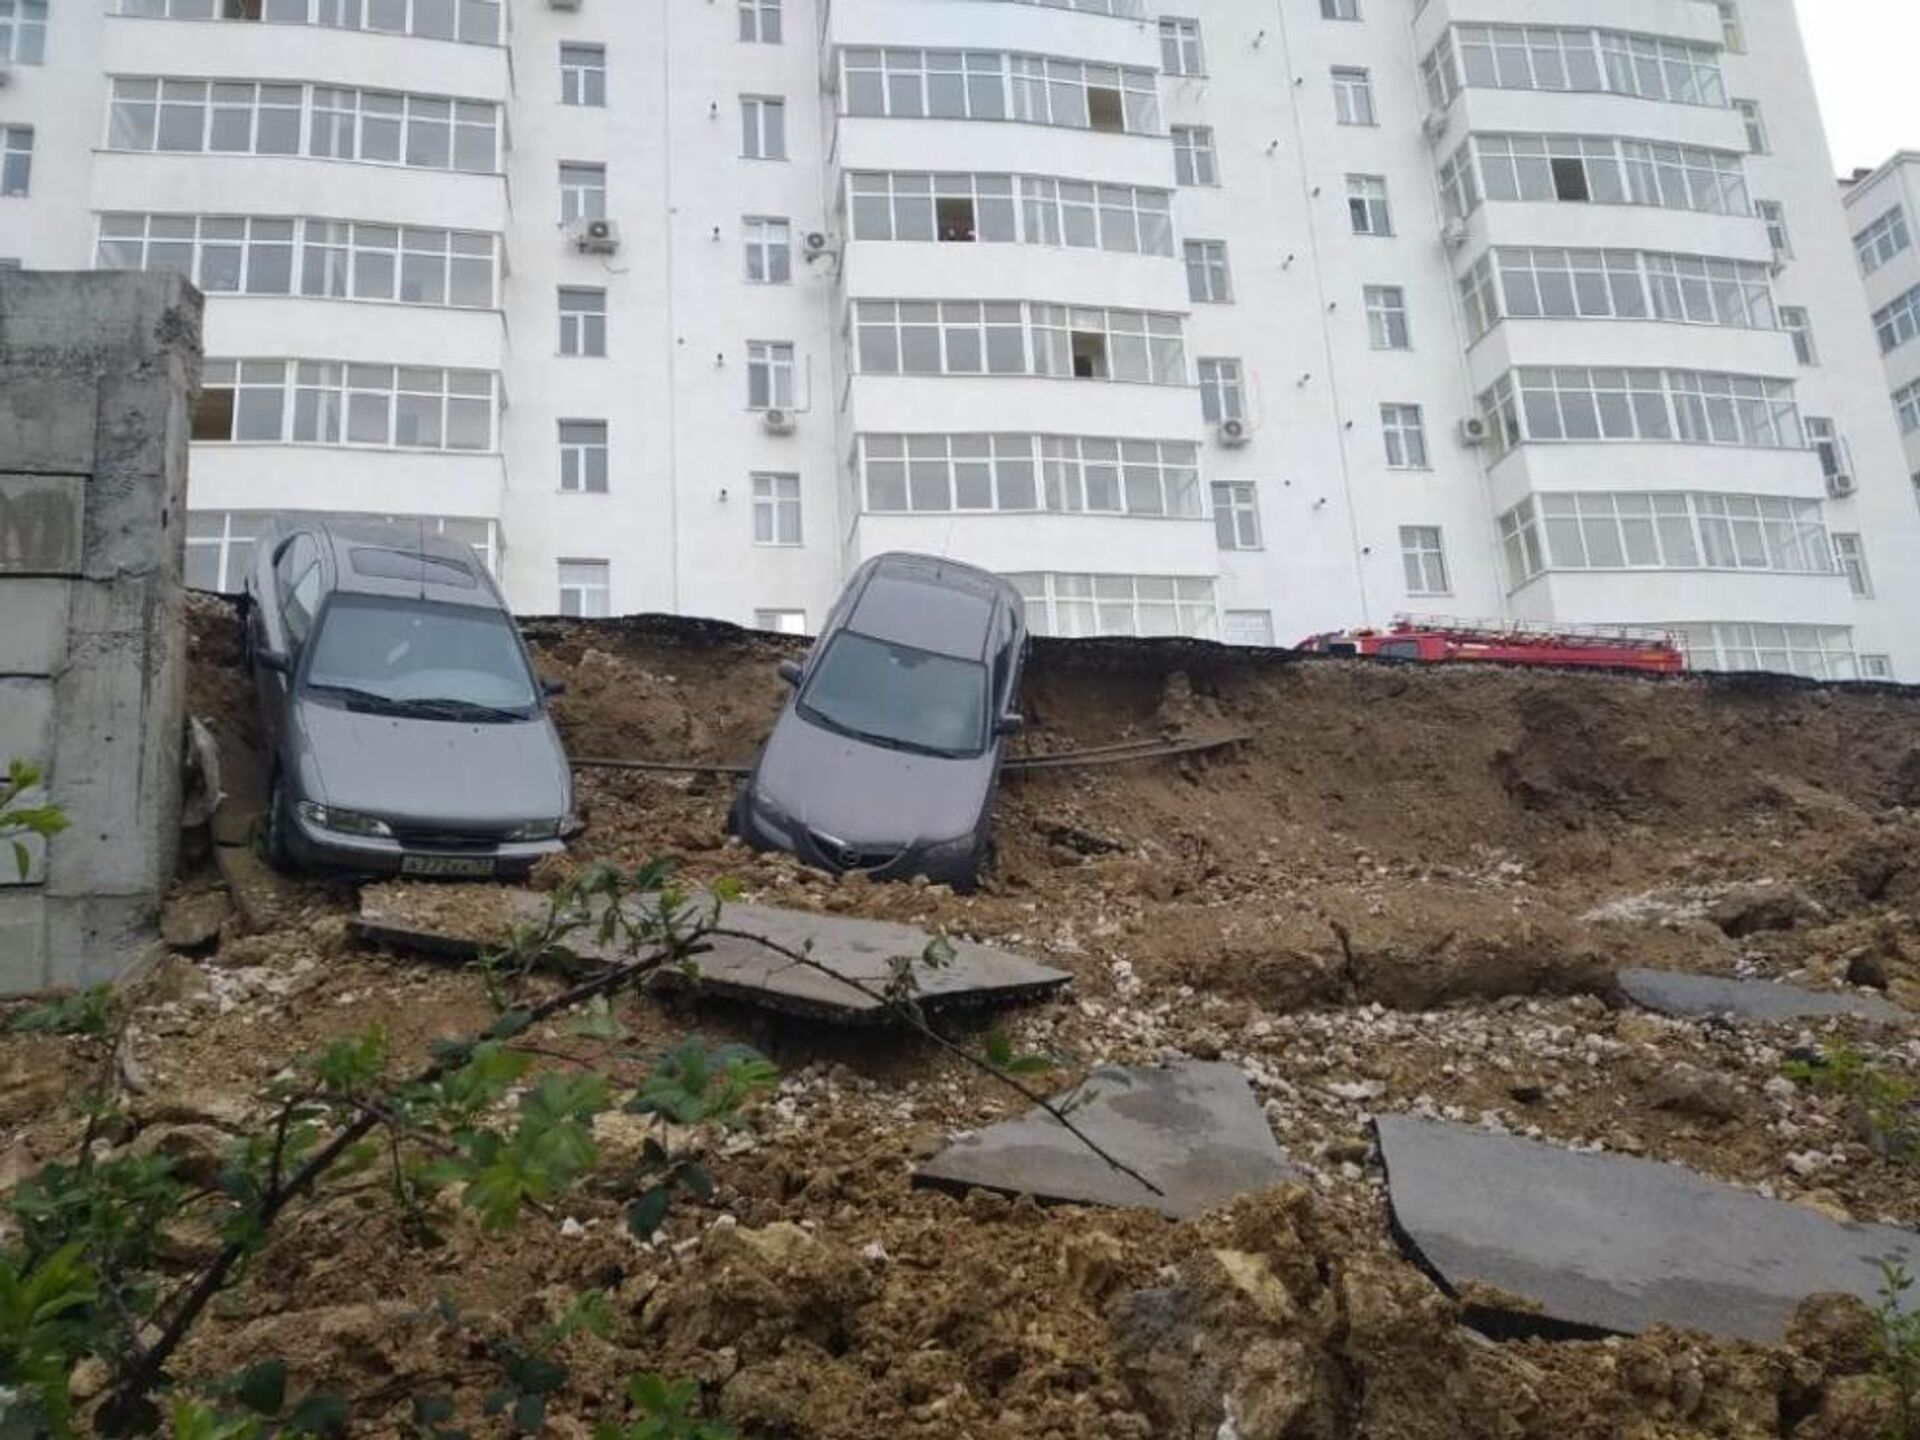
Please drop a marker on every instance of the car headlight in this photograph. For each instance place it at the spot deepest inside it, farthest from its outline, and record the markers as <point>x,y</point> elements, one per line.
<point>343,822</point>
<point>535,830</point>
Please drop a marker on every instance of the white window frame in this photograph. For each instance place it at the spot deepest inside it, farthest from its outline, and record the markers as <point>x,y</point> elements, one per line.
<point>23,32</point>
<point>1573,59</point>
<point>1732,32</point>
<point>1223,388</point>
<point>1387,325</point>
<point>772,369</point>
<point>1016,474</point>
<point>1353,96</point>
<point>583,322</point>
<point>1898,321</point>
<point>583,74</point>
<point>583,191</point>
<point>1552,283</point>
<point>1906,405</point>
<point>1080,604</point>
<point>1209,282</point>
<point>585,457</point>
<point>760,22</point>
<point>1666,530</point>
<point>1403,429</point>
<point>1755,120</point>
<point>1339,9</point>
<point>768,244</point>
<point>16,160</point>
<point>1850,555</point>
<point>475,22</point>
<point>1611,171</point>
<point>1609,405</point>
<point>350,405</point>
<point>1876,667</point>
<point>1368,209</point>
<point>586,587</point>
<point>1774,215</point>
<point>1799,327</point>
<point>781,622</point>
<point>1011,209</point>
<point>1885,238</point>
<point>999,85</point>
<point>1180,52</point>
<point>1194,160</point>
<point>763,127</point>
<point>1259,622</point>
<point>776,508</point>
<point>1423,560</point>
<point>1236,514</point>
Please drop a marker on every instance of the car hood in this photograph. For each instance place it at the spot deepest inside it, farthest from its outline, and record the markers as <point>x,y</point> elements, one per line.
<point>866,794</point>
<point>434,771</point>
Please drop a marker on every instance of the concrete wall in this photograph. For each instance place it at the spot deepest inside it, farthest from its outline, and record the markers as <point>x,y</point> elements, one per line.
<point>97,373</point>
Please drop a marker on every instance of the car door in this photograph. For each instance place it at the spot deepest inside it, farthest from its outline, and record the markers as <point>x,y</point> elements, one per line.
<point>295,598</point>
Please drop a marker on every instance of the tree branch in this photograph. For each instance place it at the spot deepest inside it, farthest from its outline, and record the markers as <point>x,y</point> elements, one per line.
<point>910,1013</point>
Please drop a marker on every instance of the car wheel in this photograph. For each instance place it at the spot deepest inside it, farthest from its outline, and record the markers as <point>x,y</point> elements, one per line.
<point>278,851</point>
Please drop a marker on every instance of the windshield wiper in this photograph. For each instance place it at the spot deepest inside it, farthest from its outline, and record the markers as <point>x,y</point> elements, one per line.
<point>449,708</point>
<point>360,699</point>
<point>886,742</point>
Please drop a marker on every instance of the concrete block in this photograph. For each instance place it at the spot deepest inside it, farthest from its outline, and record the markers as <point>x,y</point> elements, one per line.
<point>23,942</point>
<point>33,630</point>
<point>26,719</point>
<point>42,524</point>
<point>1696,997</point>
<point>97,938</point>
<point>46,421</point>
<point>112,319</point>
<point>137,495</point>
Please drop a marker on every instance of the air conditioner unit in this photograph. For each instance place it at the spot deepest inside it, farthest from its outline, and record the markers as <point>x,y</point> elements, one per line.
<point>815,244</point>
<point>1840,486</point>
<point>1232,433</point>
<point>1474,430</point>
<point>596,237</point>
<point>777,422</point>
<point>1434,124</point>
<point>1454,234</point>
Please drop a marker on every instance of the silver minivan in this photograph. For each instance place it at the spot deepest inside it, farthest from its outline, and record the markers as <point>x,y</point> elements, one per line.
<point>406,729</point>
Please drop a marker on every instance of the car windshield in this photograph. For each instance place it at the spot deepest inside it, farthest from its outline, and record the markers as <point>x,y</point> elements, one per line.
<point>899,696</point>
<point>451,661</point>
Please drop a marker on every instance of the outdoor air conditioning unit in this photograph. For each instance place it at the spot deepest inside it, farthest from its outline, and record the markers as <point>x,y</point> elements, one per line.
<point>777,422</point>
<point>1434,124</point>
<point>1454,234</point>
<point>1840,486</point>
<point>1232,433</point>
<point>1474,430</point>
<point>596,237</point>
<point>815,244</point>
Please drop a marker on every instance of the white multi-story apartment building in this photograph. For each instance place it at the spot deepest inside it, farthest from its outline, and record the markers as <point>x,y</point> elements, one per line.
<point>1884,207</point>
<point>1245,319</point>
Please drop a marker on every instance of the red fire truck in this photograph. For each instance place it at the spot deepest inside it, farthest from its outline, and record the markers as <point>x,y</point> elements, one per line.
<point>1413,637</point>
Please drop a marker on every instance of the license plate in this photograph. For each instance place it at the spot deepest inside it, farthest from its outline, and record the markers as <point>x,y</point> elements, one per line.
<point>444,865</point>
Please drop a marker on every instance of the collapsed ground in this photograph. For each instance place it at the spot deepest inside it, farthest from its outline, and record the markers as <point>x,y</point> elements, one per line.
<point>1408,892</point>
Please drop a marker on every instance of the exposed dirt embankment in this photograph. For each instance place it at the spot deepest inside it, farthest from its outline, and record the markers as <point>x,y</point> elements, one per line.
<point>1408,892</point>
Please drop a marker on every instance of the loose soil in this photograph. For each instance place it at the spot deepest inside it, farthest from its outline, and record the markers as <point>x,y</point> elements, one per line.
<point>1409,891</point>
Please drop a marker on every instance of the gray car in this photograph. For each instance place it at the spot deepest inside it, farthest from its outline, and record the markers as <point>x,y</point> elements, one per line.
<point>407,731</point>
<point>886,759</point>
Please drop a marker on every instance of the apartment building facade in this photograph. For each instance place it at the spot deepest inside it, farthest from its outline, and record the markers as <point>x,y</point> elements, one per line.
<point>1883,207</point>
<point>1243,320</point>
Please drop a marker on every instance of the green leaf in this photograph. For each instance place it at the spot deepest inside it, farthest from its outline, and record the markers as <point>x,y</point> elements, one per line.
<point>999,1048</point>
<point>529,1413</point>
<point>262,1388</point>
<point>1027,1065</point>
<point>510,1025</point>
<point>22,859</point>
<point>320,1413</point>
<point>645,1214</point>
<point>697,1181</point>
<point>726,888</point>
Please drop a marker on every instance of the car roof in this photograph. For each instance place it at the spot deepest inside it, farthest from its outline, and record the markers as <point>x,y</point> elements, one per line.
<point>386,557</point>
<point>931,604</point>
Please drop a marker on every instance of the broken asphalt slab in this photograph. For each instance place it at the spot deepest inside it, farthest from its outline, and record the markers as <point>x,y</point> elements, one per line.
<point>1697,997</point>
<point>1193,1129</point>
<point>735,969</point>
<point>1544,1241</point>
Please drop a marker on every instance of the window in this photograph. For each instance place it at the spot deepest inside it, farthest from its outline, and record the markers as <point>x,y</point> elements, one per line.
<point>1818,652</point>
<point>16,159</point>
<point>1247,627</point>
<point>1367,205</point>
<point>583,456</point>
<point>473,21</point>
<point>1387,317</point>
<point>1665,531</point>
<point>760,21</point>
<point>1906,403</point>
<point>1899,321</point>
<point>1180,46</point>
<point>586,590</point>
<point>583,191</point>
<point>23,31</point>
<point>1876,667</point>
<point>583,321</point>
<point>1339,9</point>
<point>1193,162</point>
<point>1756,126</point>
<point>1031,209</point>
<point>1775,216</point>
<point>313,402</point>
<point>1353,97</point>
<point>971,337</point>
<point>1616,285</point>
<point>220,254</point>
<point>1685,406</point>
<point>1851,557</point>
<point>1825,441</point>
<point>241,118</point>
<point>763,128</point>
<point>220,542</point>
<point>1882,240</point>
<point>776,509</point>
<point>1072,474</point>
<point>770,375</point>
<point>1593,169</point>
<point>781,622</point>
<point>1222,395</point>
<point>1207,281</point>
<point>1118,604</point>
<point>1508,57</point>
<point>1424,559</point>
<point>1406,434</point>
<point>583,75</point>
<point>1236,515</point>
<point>769,246</point>
<point>1730,30</point>
<point>990,85</point>
<point>1793,320</point>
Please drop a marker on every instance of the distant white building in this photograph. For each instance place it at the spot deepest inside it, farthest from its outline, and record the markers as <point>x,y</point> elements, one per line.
<point>1241,320</point>
<point>1883,207</point>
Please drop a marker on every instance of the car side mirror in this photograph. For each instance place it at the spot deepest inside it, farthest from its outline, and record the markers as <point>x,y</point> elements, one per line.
<point>278,661</point>
<point>1009,724</point>
<point>553,689</point>
<point>790,672</point>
